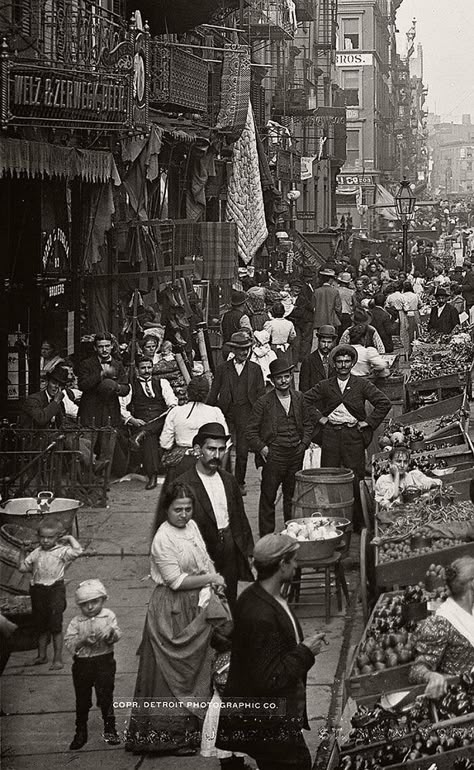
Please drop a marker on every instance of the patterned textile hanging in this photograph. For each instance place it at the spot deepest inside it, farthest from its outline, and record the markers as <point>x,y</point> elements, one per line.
<point>235,90</point>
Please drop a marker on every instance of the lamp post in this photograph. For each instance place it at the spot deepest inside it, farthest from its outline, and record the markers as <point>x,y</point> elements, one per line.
<point>292,196</point>
<point>405,204</point>
<point>446,219</point>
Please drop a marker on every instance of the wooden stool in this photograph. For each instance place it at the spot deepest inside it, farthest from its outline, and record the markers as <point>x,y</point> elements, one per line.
<point>334,563</point>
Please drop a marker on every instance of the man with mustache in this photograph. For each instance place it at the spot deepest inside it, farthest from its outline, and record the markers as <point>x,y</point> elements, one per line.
<point>218,509</point>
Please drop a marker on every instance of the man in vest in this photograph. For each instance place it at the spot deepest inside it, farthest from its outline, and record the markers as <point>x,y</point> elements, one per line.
<point>237,385</point>
<point>149,398</point>
<point>234,320</point>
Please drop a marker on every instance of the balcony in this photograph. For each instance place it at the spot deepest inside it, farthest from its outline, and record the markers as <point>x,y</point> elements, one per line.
<point>178,79</point>
<point>305,10</point>
<point>65,34</point>
<point>285,164</point>
<point>270,20</point>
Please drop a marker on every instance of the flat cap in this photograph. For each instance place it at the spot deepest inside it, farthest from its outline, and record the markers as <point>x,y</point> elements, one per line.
<point>272,547</point>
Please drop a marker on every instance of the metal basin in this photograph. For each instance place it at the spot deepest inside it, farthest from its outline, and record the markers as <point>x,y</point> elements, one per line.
<point>31,511</point>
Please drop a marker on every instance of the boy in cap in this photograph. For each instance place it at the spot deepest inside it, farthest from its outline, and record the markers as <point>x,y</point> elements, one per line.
<point>90,638</point>
<point>47,563</point>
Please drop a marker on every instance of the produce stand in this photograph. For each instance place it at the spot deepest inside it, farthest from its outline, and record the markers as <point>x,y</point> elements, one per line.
<point>461,382</point>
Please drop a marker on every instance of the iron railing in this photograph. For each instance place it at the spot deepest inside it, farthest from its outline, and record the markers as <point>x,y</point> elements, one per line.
<point>305,10</point>
<point>270,19</point>
<point>177,78</point>
<point>65,34</point>
<point>61,461</point>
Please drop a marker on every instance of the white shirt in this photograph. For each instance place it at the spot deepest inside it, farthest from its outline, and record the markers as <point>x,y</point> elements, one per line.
<point>239,367</point>
<point>440,309</point>
<point>341,415</point>
<point>214,487</point>
<point>385,485</point>
<point>48,567</point>
<point>166,389</point>
<point>81,627</point>
<point>368,361</point>
<point>177,553</point>
<point>285,402</point>
<point>183,422</point>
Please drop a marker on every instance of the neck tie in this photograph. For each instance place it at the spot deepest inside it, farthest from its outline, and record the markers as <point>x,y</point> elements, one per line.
<point>148,390</point>
<point>326,365</point>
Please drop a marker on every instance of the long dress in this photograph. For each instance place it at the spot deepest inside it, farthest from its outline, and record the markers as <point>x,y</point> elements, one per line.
<point>173,685</point>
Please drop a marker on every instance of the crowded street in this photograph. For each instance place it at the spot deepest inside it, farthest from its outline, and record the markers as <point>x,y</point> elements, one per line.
<point>236,385</point>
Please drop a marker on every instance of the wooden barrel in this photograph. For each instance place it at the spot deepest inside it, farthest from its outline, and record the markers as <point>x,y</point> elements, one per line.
<point>329,491</point>
<point>11,579</point>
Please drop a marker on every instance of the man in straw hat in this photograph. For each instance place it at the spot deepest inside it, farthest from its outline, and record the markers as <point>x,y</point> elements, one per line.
<point>338,405</point>
<point>237,385</point>
<point>279,432</point>
<point>218,508</point>
<point>318,365</point>
<point>270,660</point>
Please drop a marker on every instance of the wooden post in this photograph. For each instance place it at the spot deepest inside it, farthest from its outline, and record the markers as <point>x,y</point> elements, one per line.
<point>133,344</point>
<point>182,367</point>
<point>203,350</point>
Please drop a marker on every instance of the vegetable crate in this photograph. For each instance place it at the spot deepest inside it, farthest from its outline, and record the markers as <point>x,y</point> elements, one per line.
<point>408,571</point>
<point>459,381</point>
<point>358,686</point>
<point>434,411</point>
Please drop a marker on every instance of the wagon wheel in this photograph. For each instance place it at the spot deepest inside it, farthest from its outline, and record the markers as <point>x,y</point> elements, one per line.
<point>364,582</point>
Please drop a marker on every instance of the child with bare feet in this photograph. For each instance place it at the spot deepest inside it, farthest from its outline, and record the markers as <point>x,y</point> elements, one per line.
<point>47,563</point>
<point>90,638</point>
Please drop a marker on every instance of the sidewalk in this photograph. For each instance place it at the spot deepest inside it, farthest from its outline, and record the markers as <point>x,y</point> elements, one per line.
<point>40,704</point>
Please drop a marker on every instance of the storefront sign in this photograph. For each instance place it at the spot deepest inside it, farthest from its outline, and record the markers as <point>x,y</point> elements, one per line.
<point>305,214</point>
<point>55,255</point>
<point>360,180</point>
<point>354,59</point>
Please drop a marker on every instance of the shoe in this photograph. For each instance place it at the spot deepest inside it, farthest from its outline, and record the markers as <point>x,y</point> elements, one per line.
<point>152,481</point>
<point>243,489</point>
<point>79,740</point>
<point>136,440</point>
<point>112,737</point>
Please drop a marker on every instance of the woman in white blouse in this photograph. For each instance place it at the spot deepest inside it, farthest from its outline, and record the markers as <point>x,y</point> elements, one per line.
<point>175,653</point>
<point>183,422</point>
<point>409,316</point>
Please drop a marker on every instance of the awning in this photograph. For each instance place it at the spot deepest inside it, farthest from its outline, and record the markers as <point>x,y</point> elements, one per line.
<point>38,159</point>
<point>182,129</point>
<point>385,203</point>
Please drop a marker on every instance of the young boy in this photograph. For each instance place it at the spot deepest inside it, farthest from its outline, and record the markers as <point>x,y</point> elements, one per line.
<point>47,563</point>
<point>90,638</point>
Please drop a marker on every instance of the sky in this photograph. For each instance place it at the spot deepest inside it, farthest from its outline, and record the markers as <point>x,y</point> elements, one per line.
<point>445,28</point>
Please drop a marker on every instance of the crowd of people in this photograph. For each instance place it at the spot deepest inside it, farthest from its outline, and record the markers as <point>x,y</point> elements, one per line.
<point>301,364</point>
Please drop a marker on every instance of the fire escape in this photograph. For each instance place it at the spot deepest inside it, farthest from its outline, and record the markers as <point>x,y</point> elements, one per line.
<point>324,48</point>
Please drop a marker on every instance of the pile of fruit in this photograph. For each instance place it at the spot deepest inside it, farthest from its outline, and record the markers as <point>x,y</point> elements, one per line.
<point>395,434</point>
<point>425,743</point>
<point>439,361</point>
<point>447,419</point>
<point>459,699</point>
<point>379,724</point>
<point>394,551</point>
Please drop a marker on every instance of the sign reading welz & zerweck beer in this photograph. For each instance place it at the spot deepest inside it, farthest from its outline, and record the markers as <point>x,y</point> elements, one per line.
<point>66,98</point>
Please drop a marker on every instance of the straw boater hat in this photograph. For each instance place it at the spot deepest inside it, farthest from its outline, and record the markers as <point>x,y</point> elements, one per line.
<point>344,278</point>
<point>328,273</point>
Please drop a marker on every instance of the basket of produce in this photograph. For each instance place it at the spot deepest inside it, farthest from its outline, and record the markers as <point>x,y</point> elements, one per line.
<point>316,540</point>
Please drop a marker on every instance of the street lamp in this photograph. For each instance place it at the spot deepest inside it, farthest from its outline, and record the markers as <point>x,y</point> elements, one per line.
<point>405,204</point>
<point>292,196</point>
<point>446,219</point>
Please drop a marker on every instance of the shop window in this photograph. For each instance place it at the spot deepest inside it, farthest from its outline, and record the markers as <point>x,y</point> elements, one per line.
<point>353,146</point>
<point>350,83</point>
<point>350,34</point>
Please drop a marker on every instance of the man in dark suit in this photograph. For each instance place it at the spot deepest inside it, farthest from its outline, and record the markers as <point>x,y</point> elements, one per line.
<point>444,317</point>
<point>102,379</point>
<point>237,385</point>
<point>149,399</point>
<point>318,366</point>
<point>218,509</point>
<point>279,431</point>
<point>269,661</point>
<point>45,409</point>
<point>339,406</point>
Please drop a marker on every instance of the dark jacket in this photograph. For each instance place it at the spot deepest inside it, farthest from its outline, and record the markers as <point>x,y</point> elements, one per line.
<point>221,390</point>
<point>468,288</point>
<point>206,521</point>
<point>266,662</point>
<point>37,412</point>
<point>383,323</point>
<point>262,427</point>
<point>302,313</point>
<point>312,371</point>
<point>96,405</point>
<point>326,396</point>
<point>446,322</point>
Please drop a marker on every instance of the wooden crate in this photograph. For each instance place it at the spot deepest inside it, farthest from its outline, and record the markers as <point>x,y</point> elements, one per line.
<point>460,380</point>
<point>405,572</point>
<point>393,387</point>
<point>388,680</point>
<point>434,411</point>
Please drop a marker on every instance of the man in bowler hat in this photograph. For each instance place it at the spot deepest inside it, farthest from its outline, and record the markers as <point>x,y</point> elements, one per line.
<point>279,432</point>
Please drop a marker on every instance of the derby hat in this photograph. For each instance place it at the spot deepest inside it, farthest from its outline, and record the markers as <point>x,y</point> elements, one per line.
<point>279,366</point>
<point>344,278</point>
<point>440,292</point>
<point>240,340</point>
<point>210,430</point>
<point>344,350</point>
<point>328,272</point>
<point>327,331</point>
<point>238,298</point>
<point>59,374</point>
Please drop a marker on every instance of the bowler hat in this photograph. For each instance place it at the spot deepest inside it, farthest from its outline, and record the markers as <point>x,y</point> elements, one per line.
<point>240,340</point>
<point>344,278</point>
<point>326,331</point>
<point>59,374</point>
<point>344,350</point>
<point>280,366</point>
<point>440,292</point>
<point>238,297</point>
<point>210,430</point>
